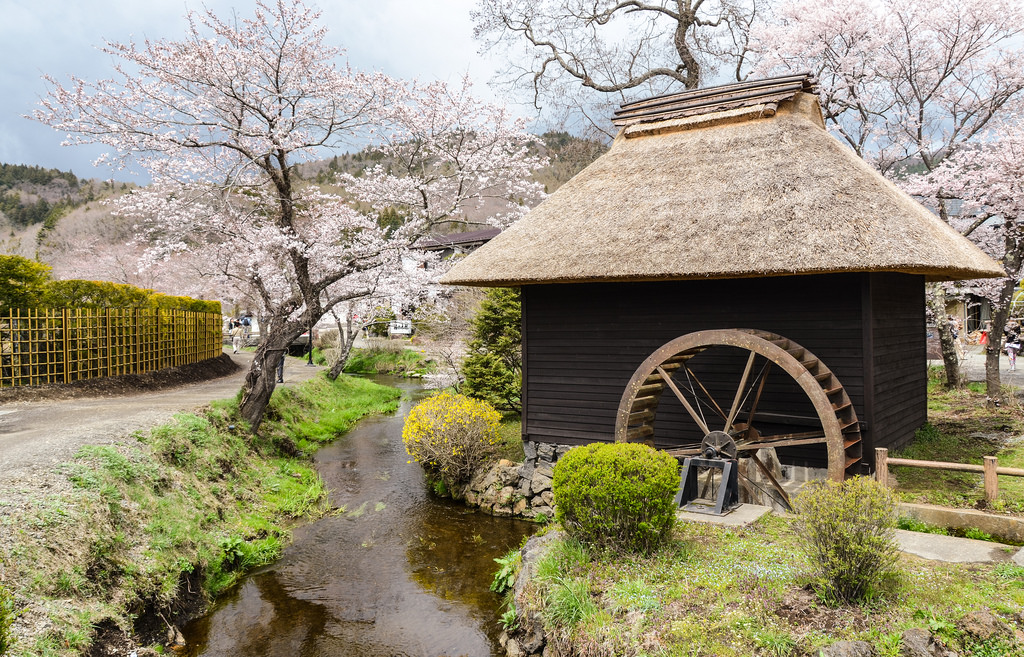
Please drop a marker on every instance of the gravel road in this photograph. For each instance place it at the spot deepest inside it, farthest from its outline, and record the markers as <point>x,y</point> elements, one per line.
<point>36,436</point>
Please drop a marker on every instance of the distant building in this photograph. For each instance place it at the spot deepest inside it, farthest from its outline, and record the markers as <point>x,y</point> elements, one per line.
<point>459,243</point>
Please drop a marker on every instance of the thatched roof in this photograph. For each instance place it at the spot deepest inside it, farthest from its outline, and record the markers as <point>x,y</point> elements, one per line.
<point>724,189</point>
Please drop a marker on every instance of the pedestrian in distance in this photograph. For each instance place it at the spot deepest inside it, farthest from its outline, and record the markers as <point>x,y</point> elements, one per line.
<point>236,337</point>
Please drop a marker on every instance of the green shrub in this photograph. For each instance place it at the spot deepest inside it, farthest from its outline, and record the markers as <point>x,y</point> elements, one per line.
<point>848,530</point>
<point>451,436</point>
<point>102,294</point>
<point>617,495</point>
<point>381,318</point>
<point>22,282</point>
<point>7,616</point>
<point>494,365</point>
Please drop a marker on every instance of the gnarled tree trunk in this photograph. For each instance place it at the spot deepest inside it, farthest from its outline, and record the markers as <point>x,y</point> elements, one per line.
<point>950,359</point>
<point>345,341</point>
<point>261,378</point>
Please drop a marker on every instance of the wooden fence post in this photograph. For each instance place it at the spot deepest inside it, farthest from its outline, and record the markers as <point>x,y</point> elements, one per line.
<point>110,338</point>
<point>991,479</point>
<point>882,466</point>
<point>67,355</point>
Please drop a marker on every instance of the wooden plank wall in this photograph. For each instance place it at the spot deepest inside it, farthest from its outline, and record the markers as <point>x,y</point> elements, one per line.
<point>584,341</point>
<point>899,360</point>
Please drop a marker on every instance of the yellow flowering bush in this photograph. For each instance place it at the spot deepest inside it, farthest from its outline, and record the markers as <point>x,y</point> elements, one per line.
<point>451,436</point>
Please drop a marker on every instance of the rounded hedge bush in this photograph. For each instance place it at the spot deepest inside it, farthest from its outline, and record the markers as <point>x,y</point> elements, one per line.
<point>617,495</point>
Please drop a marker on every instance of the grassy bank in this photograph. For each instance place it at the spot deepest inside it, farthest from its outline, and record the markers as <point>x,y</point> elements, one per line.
<point>962,429</point>
<point>384,356</point>
<point>133,537</point>
<point>722,592</point>
<point>738,592</point>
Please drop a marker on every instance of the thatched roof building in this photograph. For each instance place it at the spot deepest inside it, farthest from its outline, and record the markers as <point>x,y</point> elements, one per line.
<point>757,189</point>
<point>728,238</point>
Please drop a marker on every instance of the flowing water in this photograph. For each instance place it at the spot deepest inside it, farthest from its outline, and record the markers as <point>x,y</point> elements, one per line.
<point>400,573</point>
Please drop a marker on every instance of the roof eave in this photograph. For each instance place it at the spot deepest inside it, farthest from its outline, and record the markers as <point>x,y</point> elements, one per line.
<point>931,274</point>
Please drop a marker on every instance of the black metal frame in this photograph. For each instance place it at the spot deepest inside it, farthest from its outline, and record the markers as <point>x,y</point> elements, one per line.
<point>727,497</point>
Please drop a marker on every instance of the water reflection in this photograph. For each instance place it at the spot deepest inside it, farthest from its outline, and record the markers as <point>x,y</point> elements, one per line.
<point>398,573</point>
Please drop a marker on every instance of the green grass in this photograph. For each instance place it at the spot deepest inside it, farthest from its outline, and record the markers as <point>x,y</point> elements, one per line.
<point>389,358</point>
<point>740,592</point>
<point>320,410</point>
<point>197,500</point>
<point>510,434</point>
<point>962,429</point>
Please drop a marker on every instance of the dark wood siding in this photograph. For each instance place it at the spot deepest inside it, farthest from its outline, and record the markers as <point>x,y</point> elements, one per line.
<point>898,359</point>
<point>582,343</point>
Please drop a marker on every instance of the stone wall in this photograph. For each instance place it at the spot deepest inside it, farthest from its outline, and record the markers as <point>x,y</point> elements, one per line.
<point>522,489</point>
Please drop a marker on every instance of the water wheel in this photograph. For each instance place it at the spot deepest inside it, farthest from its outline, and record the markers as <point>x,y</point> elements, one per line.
<point>829,418</point>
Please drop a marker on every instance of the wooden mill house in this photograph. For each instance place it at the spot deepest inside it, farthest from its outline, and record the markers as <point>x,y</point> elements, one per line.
<point>727,266</point>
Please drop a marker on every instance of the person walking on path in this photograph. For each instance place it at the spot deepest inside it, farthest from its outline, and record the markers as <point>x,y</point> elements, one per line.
<point>1012,333</point>
<point>236,337</point>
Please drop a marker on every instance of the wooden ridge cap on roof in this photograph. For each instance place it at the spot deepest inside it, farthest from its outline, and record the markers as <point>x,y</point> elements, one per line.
<point>714,99</point>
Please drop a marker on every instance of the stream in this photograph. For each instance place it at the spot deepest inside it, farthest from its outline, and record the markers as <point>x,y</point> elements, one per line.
<point>399,573</point>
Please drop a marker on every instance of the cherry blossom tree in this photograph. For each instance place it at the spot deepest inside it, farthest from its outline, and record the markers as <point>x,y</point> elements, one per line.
<point>586,56</point>
<point>221,119</point>
<point>988,179</point>
<point>905,83</point>
<point>901,80</point>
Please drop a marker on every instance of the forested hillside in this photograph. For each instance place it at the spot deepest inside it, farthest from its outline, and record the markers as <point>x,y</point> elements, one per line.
<point>61,220</point>
<point>567,156</point>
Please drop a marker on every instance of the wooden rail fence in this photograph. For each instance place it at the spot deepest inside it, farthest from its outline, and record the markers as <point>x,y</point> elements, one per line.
<point>62,345</point>
<point>990,470</point>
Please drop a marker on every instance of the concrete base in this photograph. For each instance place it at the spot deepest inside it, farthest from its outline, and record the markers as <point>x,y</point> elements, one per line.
<point>952,549</point>
<point>741,516</point>
<point>999,526</point>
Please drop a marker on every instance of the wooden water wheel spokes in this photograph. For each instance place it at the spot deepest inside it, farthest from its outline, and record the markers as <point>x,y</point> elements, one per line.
<point>833,424</point>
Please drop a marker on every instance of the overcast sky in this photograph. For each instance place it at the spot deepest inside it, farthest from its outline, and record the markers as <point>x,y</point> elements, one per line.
<point>425,39</point>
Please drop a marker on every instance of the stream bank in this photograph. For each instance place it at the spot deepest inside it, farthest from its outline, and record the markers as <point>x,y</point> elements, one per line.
<point>394,570</point>
<point>126,538</point>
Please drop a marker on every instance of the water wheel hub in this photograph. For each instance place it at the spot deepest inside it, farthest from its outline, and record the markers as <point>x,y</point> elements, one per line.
<point>718,445</point>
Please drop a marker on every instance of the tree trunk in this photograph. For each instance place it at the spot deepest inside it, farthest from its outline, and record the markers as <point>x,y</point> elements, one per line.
<point>345,342</point>
<point>1011,263</point>
<point>261,378</point>
<point>950,359</point>
<point>1000,314</point>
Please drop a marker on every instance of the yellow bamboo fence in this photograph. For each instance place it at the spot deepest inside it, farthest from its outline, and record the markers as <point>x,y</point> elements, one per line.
<point>62,345</point>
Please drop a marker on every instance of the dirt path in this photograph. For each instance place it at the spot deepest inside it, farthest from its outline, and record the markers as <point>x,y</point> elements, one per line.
<point>36,436</point>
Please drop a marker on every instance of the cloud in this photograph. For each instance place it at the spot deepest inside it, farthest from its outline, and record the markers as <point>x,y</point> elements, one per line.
<point>428,40</point>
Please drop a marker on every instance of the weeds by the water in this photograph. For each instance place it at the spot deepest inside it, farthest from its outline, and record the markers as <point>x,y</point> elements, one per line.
<point>389,357</point>
<point>177,518</point>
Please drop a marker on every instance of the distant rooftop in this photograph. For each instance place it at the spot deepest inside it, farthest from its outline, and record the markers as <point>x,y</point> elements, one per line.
<point>452,240</point>
<point>770,91</point>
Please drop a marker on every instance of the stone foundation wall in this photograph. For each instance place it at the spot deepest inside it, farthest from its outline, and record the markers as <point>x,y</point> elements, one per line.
<point>522,489</point>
